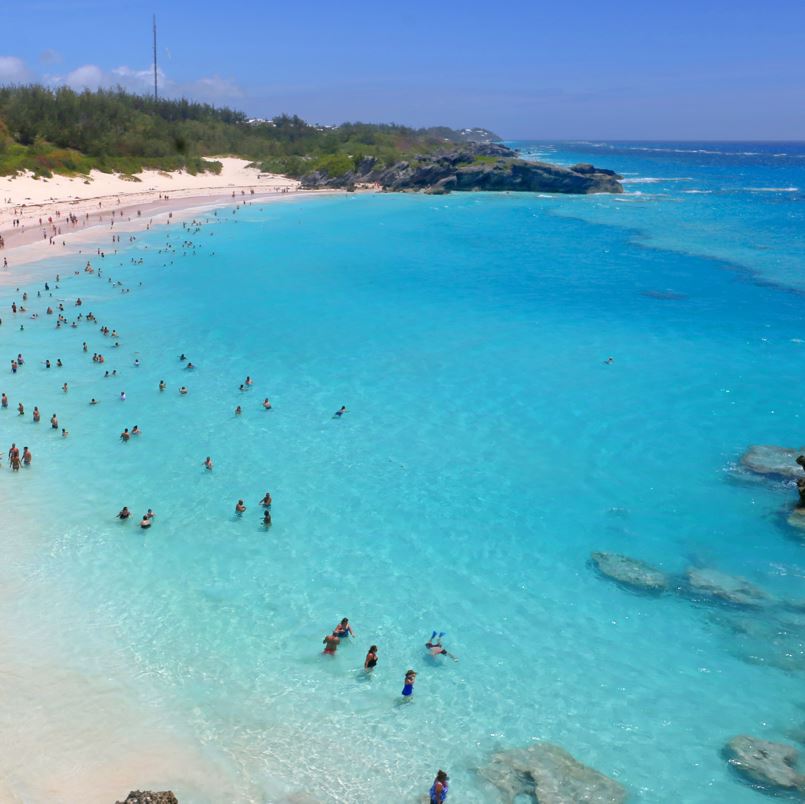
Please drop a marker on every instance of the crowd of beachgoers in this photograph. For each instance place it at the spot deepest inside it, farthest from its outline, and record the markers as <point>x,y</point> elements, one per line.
<point>48,301</point>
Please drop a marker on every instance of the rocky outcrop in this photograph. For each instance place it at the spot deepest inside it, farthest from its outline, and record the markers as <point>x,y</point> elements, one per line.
<point>547,774</point>
<point>719,586</point>
<point>147,797</point>
<point>472,166</point>
<point>771,461</point>
<point>630,572</point>
<point>771,766</point>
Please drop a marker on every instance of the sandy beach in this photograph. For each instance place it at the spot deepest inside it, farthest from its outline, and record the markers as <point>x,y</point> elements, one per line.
<point>43,218</point>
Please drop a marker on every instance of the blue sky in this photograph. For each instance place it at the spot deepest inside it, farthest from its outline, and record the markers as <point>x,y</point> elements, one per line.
<point>609,69</point>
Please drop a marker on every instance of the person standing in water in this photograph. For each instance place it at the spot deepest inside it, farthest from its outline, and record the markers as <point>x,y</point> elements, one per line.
<point>331,643</point>
<point>439,788</point>
<point>239,507</point>
<point>370,662</point>
<point>408,685</point>
<point>344,629</point>
<point>208,464</point>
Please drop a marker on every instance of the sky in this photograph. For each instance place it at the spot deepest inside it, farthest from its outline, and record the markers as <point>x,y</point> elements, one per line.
<point>578,69</point>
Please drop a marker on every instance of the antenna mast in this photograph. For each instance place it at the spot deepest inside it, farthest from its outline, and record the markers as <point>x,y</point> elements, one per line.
<point>155,57</point>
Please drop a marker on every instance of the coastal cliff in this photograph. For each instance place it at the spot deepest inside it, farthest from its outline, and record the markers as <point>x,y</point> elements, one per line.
<point>473,166</point>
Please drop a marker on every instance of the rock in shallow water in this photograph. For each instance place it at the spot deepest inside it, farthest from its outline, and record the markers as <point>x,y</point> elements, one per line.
<point>772,766</point>
<point>630,572</point>
<point>710,583</point>
<point>773,461</point>
<point>547,774</point>
<point>148,797</point>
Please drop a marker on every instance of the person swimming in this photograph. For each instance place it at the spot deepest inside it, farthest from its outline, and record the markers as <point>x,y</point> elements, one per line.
<point>136,430</point>
<point>238,410</point>
<point>408,684</point>
<point>435,648</point>
<point>266,404</point>
<point>340,412</point>
<point>124,513</point>
<point>122,396</point>
<point>183,390</point>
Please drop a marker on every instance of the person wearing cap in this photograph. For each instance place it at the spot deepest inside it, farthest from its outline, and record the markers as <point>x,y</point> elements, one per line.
<point>408,686</point>
<point>439,788</point>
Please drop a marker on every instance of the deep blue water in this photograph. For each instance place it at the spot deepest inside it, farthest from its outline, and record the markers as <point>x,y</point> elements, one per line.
<point>487,451</point>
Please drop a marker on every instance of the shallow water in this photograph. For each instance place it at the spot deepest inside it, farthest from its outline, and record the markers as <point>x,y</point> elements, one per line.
<point>486,452</point>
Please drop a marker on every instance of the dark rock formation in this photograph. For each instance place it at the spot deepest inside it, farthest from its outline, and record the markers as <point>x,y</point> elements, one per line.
<point>771,766</point>
<point>148,797</point>
<point>714,585</point>
<point>547,774</point>
<point>771,461</point>
<point>472,166</point>
<point>630,572</point>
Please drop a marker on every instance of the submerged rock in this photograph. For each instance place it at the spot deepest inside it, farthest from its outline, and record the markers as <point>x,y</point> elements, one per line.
<point>716,585</point>
<point>772,766</point>
<point>630,572</point>
<point>547,774</point>
<point>780,462</point>
<point>148,797</point>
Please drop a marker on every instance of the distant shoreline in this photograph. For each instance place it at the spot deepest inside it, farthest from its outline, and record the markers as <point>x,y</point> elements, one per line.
<point>108,205</point>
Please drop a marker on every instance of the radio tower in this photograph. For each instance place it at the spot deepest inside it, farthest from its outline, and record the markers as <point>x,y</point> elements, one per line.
<point>155,58</point>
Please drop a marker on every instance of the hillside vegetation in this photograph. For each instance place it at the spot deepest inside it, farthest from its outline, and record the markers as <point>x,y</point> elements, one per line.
<point>61,131</point>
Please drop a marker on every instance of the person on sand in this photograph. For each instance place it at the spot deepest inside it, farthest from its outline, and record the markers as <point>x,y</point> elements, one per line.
<point>331,643</point>
<point>240,507</point>
<point>370,661</point>
<point>408,684</point>
<point>145,522</point>
<point>124,513</point>
<point>266,501</point>
<point>344,629</point>
<point>208,463</point>
<point>439,788</point>
<point>266,518</point>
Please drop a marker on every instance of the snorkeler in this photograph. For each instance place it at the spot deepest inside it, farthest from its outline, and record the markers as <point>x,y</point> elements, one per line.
<point>435,647</point>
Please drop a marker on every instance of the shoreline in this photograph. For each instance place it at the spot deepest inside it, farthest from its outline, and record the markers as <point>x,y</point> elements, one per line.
<point>74,217</point>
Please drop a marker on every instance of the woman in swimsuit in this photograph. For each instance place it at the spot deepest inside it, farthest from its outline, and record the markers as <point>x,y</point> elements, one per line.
<point>408,685</point>
<point>344,629</point>
<point>371,659</point>
<point>439,788</point>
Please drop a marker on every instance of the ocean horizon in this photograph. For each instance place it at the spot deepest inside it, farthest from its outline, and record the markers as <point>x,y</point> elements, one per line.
<point>529,379</point>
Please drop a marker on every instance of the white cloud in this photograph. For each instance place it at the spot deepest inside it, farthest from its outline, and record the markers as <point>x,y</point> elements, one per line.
<point>214,88</point>
<point>13,70</point>
<point>88,76</point>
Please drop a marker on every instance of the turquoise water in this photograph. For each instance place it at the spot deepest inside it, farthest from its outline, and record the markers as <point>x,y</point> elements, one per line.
<point>486,452</point>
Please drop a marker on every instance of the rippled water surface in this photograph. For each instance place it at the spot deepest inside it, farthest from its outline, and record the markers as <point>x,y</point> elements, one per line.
<point>486,452</point>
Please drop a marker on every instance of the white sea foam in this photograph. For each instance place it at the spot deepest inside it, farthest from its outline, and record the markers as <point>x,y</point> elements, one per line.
<point>697,192</point>
<point>772,189</point>
<point>653,180</point>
